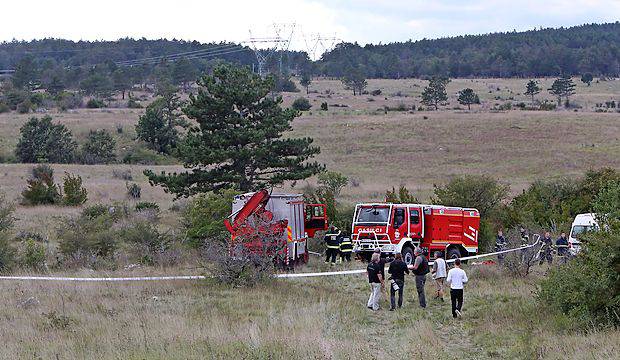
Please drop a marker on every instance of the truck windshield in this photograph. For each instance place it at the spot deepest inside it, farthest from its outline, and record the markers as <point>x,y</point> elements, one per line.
<point>580,229</point>
<point>373,215</point>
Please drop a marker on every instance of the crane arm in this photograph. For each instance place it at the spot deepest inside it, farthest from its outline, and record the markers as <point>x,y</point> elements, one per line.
<point>257,201</point>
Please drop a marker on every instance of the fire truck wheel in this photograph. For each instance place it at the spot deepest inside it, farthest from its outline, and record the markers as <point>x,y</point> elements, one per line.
<point>453,253</point>
<point>408,255</point>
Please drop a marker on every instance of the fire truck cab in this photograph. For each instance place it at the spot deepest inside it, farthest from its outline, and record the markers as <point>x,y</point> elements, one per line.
<point>399,228</point>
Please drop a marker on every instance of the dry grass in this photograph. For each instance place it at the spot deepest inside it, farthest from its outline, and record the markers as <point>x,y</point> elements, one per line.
<point>298,319</point>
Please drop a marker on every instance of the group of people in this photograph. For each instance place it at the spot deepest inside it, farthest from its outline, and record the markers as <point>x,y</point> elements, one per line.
<point>337,246</point>
<point>546,250</point>
<point>397,270</point>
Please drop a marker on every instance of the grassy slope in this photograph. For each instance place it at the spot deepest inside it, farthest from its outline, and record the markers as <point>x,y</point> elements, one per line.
<point>298,319</point>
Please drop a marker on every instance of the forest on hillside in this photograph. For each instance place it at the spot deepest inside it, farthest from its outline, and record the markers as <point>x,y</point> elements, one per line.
<point>593,48</point>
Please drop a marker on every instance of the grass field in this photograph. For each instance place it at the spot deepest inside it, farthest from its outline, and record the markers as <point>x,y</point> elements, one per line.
<point>289,319</point>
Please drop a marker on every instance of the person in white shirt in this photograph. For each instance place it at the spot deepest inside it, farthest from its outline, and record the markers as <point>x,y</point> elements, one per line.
<point>439,274</point>
<point>457,278</point>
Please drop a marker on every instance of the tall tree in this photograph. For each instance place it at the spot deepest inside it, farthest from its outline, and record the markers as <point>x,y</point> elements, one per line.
<point>158,126</point>
<point>355,79</point>
<point>562,87</point>
<point>587,78</point>
<point>97,84</point>
<point>238,140</point>
<point>43,141</point>
<point>532,89</point>
<point>122,80</point>
<point>183,73</point>
<point>435,93</point>
<point>26,74</point>
<point>305,81</point>
<point>468,97</point>
<point>55,86</point>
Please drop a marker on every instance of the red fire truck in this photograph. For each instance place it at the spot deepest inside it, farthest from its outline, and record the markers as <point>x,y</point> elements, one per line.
<point>284,220</point>
<point>398,228</point>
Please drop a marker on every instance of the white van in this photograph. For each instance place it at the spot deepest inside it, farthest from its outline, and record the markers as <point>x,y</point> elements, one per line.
<point>582,224</point>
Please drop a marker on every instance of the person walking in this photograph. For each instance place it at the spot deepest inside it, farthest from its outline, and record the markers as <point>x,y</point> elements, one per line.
<point>397,270</point>
<point>332,244</point>
<point>346,247</point>
<point>457,279</point>
<point>562,245</point>
<point>546,249</point>
<point>420,269</point>
<point>375,280</point>
<point>439,274</point>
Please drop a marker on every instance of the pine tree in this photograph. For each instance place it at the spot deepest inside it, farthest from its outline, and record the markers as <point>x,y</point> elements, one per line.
<point>562,87</point>
<point>587,78</point>
<point>238,140</point>
<point>305,81</point>
<point>355,80</point>
<point>532,89</point>
<point>468,97</point>
<point>158,126</point>
<point>435,93</point>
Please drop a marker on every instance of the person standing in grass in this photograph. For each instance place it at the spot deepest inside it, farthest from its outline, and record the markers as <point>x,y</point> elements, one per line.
<point>457,279</point>
<point>546,251</point>
<point>397,270</point>
<point>420,269</point>
<point>439,274</point>
<point>376,281</point>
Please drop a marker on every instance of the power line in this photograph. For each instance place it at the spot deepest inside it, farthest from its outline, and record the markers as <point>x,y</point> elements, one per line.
<point>173,55</point>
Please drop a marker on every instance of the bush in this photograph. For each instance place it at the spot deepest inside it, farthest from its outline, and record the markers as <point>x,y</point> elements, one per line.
<point>147,240</point>
<point>99,148</point>
<point>43,141</point>
<point>204,216</point>
<point>74,193</point>
<point>6,214</point>
<point>588,288</point>
<point>33,255</point>
<point>301,104</point>
<point>7,253</point>
<point>134,191</point>
<point>547,106</point>
<point>324,106</point>
<point>24,107</point>
<point>87,237</point>
<point>4,107</point>
<point>133,104</point>
<point>146,205</point>
<point>41,188</point>
<point>375,92</point>
<point>95,104</point>
<point>67,100</point>
<point>138,154</point>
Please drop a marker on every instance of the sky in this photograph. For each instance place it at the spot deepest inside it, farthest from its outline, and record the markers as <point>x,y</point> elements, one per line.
<point>362,21</point>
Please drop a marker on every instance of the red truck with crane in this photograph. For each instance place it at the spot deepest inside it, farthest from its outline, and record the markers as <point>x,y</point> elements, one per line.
<point>276,225</point>
<point>399,228</point>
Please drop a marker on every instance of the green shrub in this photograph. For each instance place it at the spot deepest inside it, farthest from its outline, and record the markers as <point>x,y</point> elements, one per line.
<point>138,154</point>
<point>67,100</point>
<point>301,104</point>
<point>7,253</point>
<point>43,141</point>
<point>99,148</point>
<point>15,97</point>
<point>41,189</point>
<point>146,205</point>
<point>6,214</point>
<point>87,236</point>
<point>95,104</point>
<point>24,107</point>
<point>4,107</point>
<point>205,214</point>
<point>33,255</point>
<point>133,104</point>
<point>588,288</point>
<point>547,106</point>
<point>324,106</point>
<point>146,239</point>
<point>134,191</point>
<point>74,193</point>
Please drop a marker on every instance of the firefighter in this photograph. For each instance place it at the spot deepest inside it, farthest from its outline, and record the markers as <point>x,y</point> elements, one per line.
<point>546,249</point>
<point>332,239</point>
<point>500,245</point>
<point>346,247</point>
<point>562,245</point>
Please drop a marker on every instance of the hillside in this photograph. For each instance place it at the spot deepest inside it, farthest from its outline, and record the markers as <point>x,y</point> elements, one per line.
<point>547,52</point>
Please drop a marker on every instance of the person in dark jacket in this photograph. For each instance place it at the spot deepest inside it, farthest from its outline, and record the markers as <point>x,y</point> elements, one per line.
<point>397,270</point>
<point>420,269</point>
<point>562,244</point>
<point>500,245</point>
<point>346,247</point>
<point>375,279</point>
<point>332,244</point>
<point>546,249</point>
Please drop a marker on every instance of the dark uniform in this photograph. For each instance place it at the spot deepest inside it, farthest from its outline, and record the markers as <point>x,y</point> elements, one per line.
<point>332,242</point>
<point>346,247</point>
<point>562,244</point>
<point>546,250</point>
<point>500,245</point>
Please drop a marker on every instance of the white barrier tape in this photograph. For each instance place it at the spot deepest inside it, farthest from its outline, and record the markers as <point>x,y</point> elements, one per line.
<point>202,277</point>
<point>104,279</point>
<point>314,253</point>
